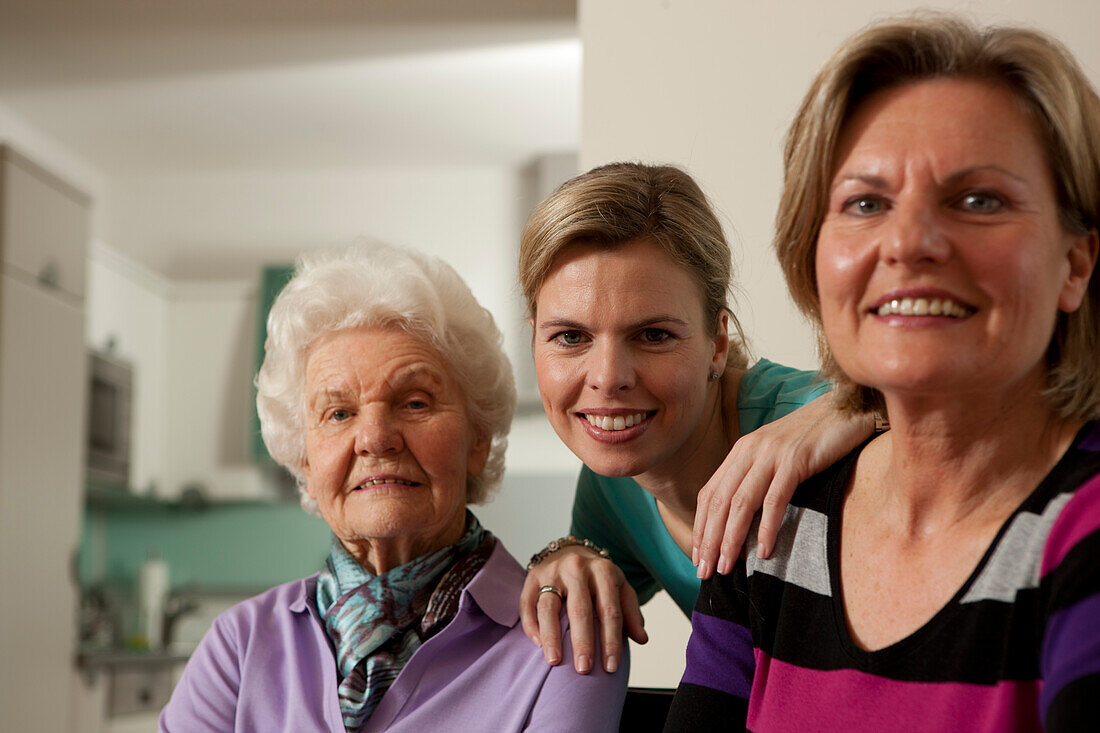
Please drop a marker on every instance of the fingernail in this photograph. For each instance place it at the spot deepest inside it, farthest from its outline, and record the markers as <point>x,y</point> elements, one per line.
<point>723,564</point>
<point>584,664</point>
<point>702,571</point>
<point>694,555</point>
<point>761,550</point>
<point>538,641</point>
<point>552,658</point>
<point>611,665</point>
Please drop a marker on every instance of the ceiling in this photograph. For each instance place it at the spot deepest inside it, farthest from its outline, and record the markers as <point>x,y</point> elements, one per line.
<point>139,87</point>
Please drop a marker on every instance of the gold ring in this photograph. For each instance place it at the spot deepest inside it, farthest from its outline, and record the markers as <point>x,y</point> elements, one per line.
<point>551,589</point>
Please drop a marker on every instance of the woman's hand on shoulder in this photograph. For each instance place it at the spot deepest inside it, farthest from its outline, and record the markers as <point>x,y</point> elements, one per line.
<point>595,589</point>
<point>761,472</point>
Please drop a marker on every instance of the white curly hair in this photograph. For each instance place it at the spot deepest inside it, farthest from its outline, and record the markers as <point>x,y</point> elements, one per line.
<point>372,284</point>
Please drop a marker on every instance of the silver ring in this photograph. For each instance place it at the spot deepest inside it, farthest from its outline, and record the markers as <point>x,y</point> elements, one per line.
<point>551,589</point>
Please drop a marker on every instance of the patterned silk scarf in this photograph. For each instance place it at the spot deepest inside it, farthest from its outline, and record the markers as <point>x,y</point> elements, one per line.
<point>376,622</point>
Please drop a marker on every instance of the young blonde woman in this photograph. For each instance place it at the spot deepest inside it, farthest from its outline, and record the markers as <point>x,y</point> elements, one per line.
<point>626,273</point>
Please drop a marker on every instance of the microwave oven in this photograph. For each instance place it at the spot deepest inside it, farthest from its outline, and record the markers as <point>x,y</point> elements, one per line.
<point>110,398</point>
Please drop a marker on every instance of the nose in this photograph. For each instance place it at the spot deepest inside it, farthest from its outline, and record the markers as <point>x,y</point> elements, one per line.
<point>915,237</point>
<point>378,434</point>
<point>611,368</point>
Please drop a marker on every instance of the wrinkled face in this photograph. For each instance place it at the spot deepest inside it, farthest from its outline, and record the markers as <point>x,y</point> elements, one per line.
<point>623,353</point>
<point>942,262</point>
<point>388,441</point>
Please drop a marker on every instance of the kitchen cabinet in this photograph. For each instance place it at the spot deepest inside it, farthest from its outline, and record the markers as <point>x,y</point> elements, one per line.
<point>43,241</point>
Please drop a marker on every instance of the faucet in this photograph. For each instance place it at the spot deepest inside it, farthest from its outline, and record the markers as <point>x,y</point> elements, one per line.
<point>179,603</point>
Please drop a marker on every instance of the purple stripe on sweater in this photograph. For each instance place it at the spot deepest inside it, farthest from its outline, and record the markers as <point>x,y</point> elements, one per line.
<point>1092,440</point>
<point>719,655</point>
<point>1071,647</point>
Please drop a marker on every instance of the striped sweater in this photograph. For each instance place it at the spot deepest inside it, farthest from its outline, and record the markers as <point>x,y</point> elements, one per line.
<point>1017,648</point>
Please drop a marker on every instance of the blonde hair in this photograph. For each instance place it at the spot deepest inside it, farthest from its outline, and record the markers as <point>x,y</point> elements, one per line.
<point>1041,74</point>
<point>614,204</point>
<point>378,285</point>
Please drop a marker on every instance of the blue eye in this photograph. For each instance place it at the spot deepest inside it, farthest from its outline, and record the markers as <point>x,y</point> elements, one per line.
<point>339,415</point>
<point>569,338</point>
<point>416,405</point>
<point>981,202</point>
<point>865,205</point>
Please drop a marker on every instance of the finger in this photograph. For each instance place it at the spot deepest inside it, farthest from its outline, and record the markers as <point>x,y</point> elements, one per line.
<point>700,522</point>
<point>609,607</point>
<point>750,495</point>
<point>549,607</point>
<point>578,604</point>
<point>774,509</point>
<point>528,612</point>
<point>710,542</point>
<point>632,614</point>
<point>712,507</point>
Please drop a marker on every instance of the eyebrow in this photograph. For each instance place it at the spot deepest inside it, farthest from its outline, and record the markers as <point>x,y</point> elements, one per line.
<point>648,321</point>
<point>326,396</point>
<point>402,376</point>
<point>879,182</point>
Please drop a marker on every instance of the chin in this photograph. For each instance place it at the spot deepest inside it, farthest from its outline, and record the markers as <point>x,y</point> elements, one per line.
<point>613,466</point>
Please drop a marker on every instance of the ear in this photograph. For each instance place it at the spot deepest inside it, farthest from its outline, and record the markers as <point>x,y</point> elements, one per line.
<point>478,457</point>
<point>304,468</point>
<point>1082,262</point>
<point>721,343</point>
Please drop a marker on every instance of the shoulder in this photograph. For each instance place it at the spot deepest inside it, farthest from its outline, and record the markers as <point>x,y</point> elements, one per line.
<point>769,391</point>
<point>1075,508</point>
<point>495,589</point>
<point>273,611</point>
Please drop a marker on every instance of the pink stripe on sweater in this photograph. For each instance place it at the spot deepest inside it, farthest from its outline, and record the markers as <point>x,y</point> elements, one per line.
<point>1079,518</point>
<point>789,698</point>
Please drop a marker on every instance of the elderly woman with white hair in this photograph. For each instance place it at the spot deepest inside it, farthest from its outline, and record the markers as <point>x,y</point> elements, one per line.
<point>385,391</point>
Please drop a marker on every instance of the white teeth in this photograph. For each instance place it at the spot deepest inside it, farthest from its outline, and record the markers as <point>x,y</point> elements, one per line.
<point>618,422</point>
<point>922,307</point>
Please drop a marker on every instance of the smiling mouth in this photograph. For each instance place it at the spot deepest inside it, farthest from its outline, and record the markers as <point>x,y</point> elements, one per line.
<point>924,307</point>
<point>616,422</point>
<point>385,482</point>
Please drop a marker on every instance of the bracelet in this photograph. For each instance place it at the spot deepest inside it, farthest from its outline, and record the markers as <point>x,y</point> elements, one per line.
<point>567,541</point>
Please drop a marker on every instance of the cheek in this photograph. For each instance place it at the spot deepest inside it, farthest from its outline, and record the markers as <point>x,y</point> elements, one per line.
<point>554,377</point>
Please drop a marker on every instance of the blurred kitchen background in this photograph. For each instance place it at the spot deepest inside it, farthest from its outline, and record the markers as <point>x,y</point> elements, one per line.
<point>163,163</point>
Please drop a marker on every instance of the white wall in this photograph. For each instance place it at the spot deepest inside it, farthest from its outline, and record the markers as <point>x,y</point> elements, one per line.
<point>712,85</point>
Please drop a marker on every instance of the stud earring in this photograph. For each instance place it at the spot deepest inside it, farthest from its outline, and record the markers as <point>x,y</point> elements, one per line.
<point>714,376</point>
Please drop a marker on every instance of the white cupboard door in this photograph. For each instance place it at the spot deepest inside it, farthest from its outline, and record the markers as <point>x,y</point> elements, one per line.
<point>44,225</point>
<point>42,404</point>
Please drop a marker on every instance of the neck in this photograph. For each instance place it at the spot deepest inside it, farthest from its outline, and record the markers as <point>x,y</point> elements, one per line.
<point>380,555</point>
<point>944,460</point>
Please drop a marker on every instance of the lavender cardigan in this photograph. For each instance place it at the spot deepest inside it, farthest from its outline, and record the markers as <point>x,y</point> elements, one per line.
<point>267,665</point>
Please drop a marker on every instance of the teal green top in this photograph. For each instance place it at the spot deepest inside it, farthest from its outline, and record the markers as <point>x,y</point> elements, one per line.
<point>621,516</point>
